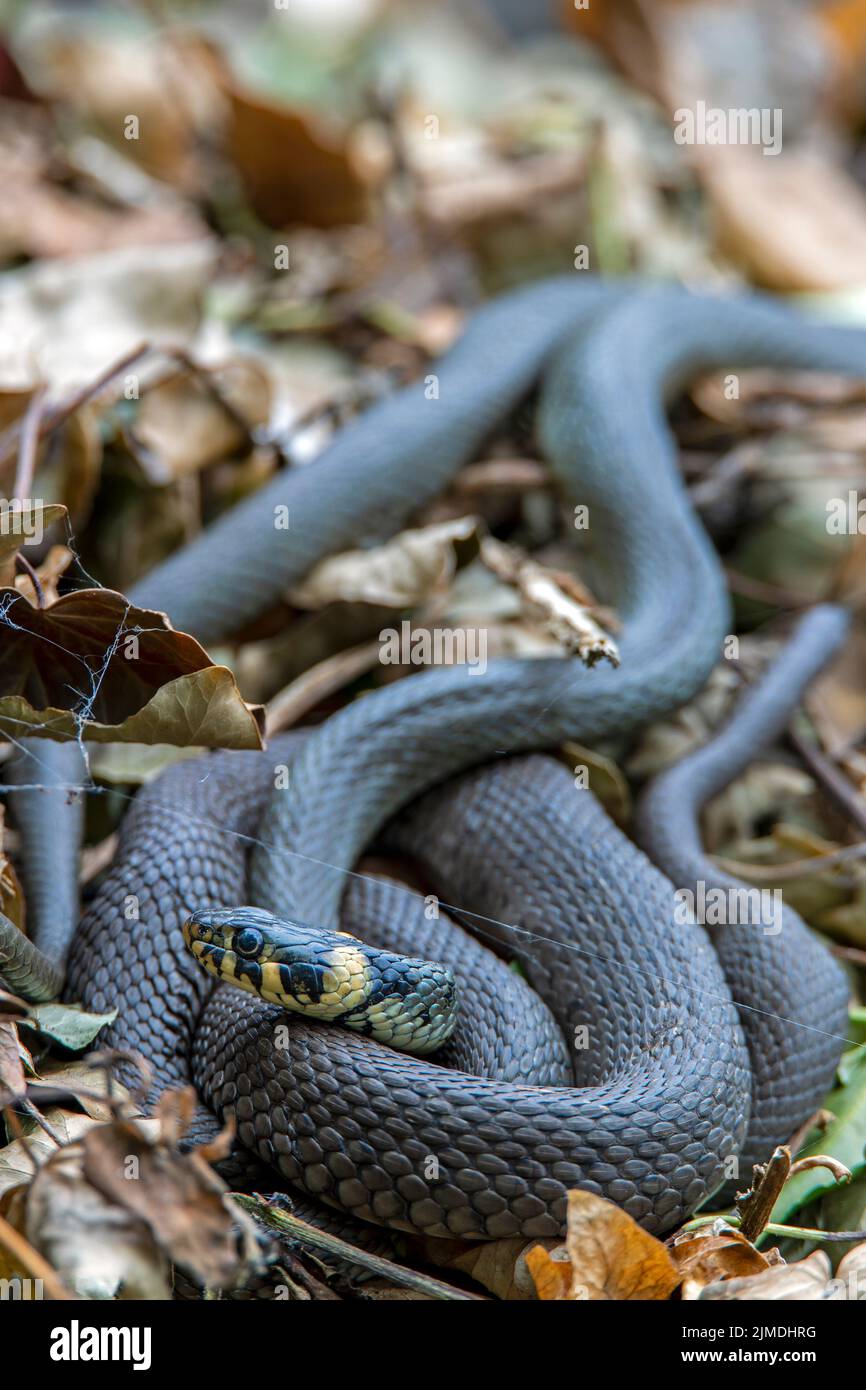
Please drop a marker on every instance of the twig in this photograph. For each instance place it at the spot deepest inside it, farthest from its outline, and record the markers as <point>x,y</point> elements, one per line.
<point>853,954</point>
<point>18,1134</point>
<point>36,1115</point>
<point>557,599</point>
<point>501,475</point>
<point>34,577</point>
<point>805,1165</point>
<point>773,1228</point>
<point>755,1206</point>
<point>53,418</point>
<point>28,445</point>
<point>321,680</point>
<point>834,782</point>
<point>205,376</point>
<point>296,1229</point>
<point>305,1285</point>
<point>795,868</point>
<point>761,592</point>
<point>820,1120</point>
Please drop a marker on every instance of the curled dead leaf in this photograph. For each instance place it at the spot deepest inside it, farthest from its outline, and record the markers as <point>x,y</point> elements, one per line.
<point>804,1281</point>
<point>94,664</point>
<point>23,523</point>
<point>608,1257</point>
<point>175,1196</point>
<point>118,1203</point>
<point>99,1248</point>
<point>711,1254</point>
<point>402,573</point>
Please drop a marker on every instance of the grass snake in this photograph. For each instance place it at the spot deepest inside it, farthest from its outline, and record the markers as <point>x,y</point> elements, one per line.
<point>676,1079</point>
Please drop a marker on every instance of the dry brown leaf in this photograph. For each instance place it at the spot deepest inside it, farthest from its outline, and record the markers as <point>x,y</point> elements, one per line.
<point>294,171</point>
<point>136,678</point>
<point>682,51</point>
<point>709,1255</point>
<point>852,1273</point>
<point>11,893</point>
<point>23,523</point>
<point>88,1085</point>
<point>169,83</point>
<point>99,1249</point>
<point>174,1113</point>
<point>766,792</point>
<point>804,1281</point>
<point>413,567</point>
<point>12,1082</point>
<point>837,700</point>
<point>667,740</point>
<point>118,1203</point>
<point>13,404</point>
<point>19,1161</point>
<point>38,219</point>
<point>604,777</point>
<point>628,30</point>
<point>500,1266</point>
<point>125,297</point>
<point>500,188</point>
<point>767,398</point>
<point>552,1275</point>
<point>610,1257</point>
<point>794,222</point>
<point>12,1007</point>
<point>176,1196</point>
<point>182,425</point>
<point>845,22</point>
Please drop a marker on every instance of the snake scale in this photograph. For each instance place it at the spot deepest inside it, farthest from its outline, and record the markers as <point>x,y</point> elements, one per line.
<point>677,1077</point>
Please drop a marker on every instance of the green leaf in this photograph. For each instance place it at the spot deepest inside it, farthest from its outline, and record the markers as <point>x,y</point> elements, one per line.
<point>65,1024</point>
<point>844,1139</point>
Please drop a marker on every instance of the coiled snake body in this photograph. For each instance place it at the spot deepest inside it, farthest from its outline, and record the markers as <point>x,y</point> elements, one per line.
<point>666,1090</point>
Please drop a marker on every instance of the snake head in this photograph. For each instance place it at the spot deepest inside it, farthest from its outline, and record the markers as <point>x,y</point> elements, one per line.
<point>282,961</point>
<point>410,1004</point>
<point>321,973</point>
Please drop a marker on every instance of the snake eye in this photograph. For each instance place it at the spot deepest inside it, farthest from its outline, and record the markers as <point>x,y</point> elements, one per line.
<point>248,942</point>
